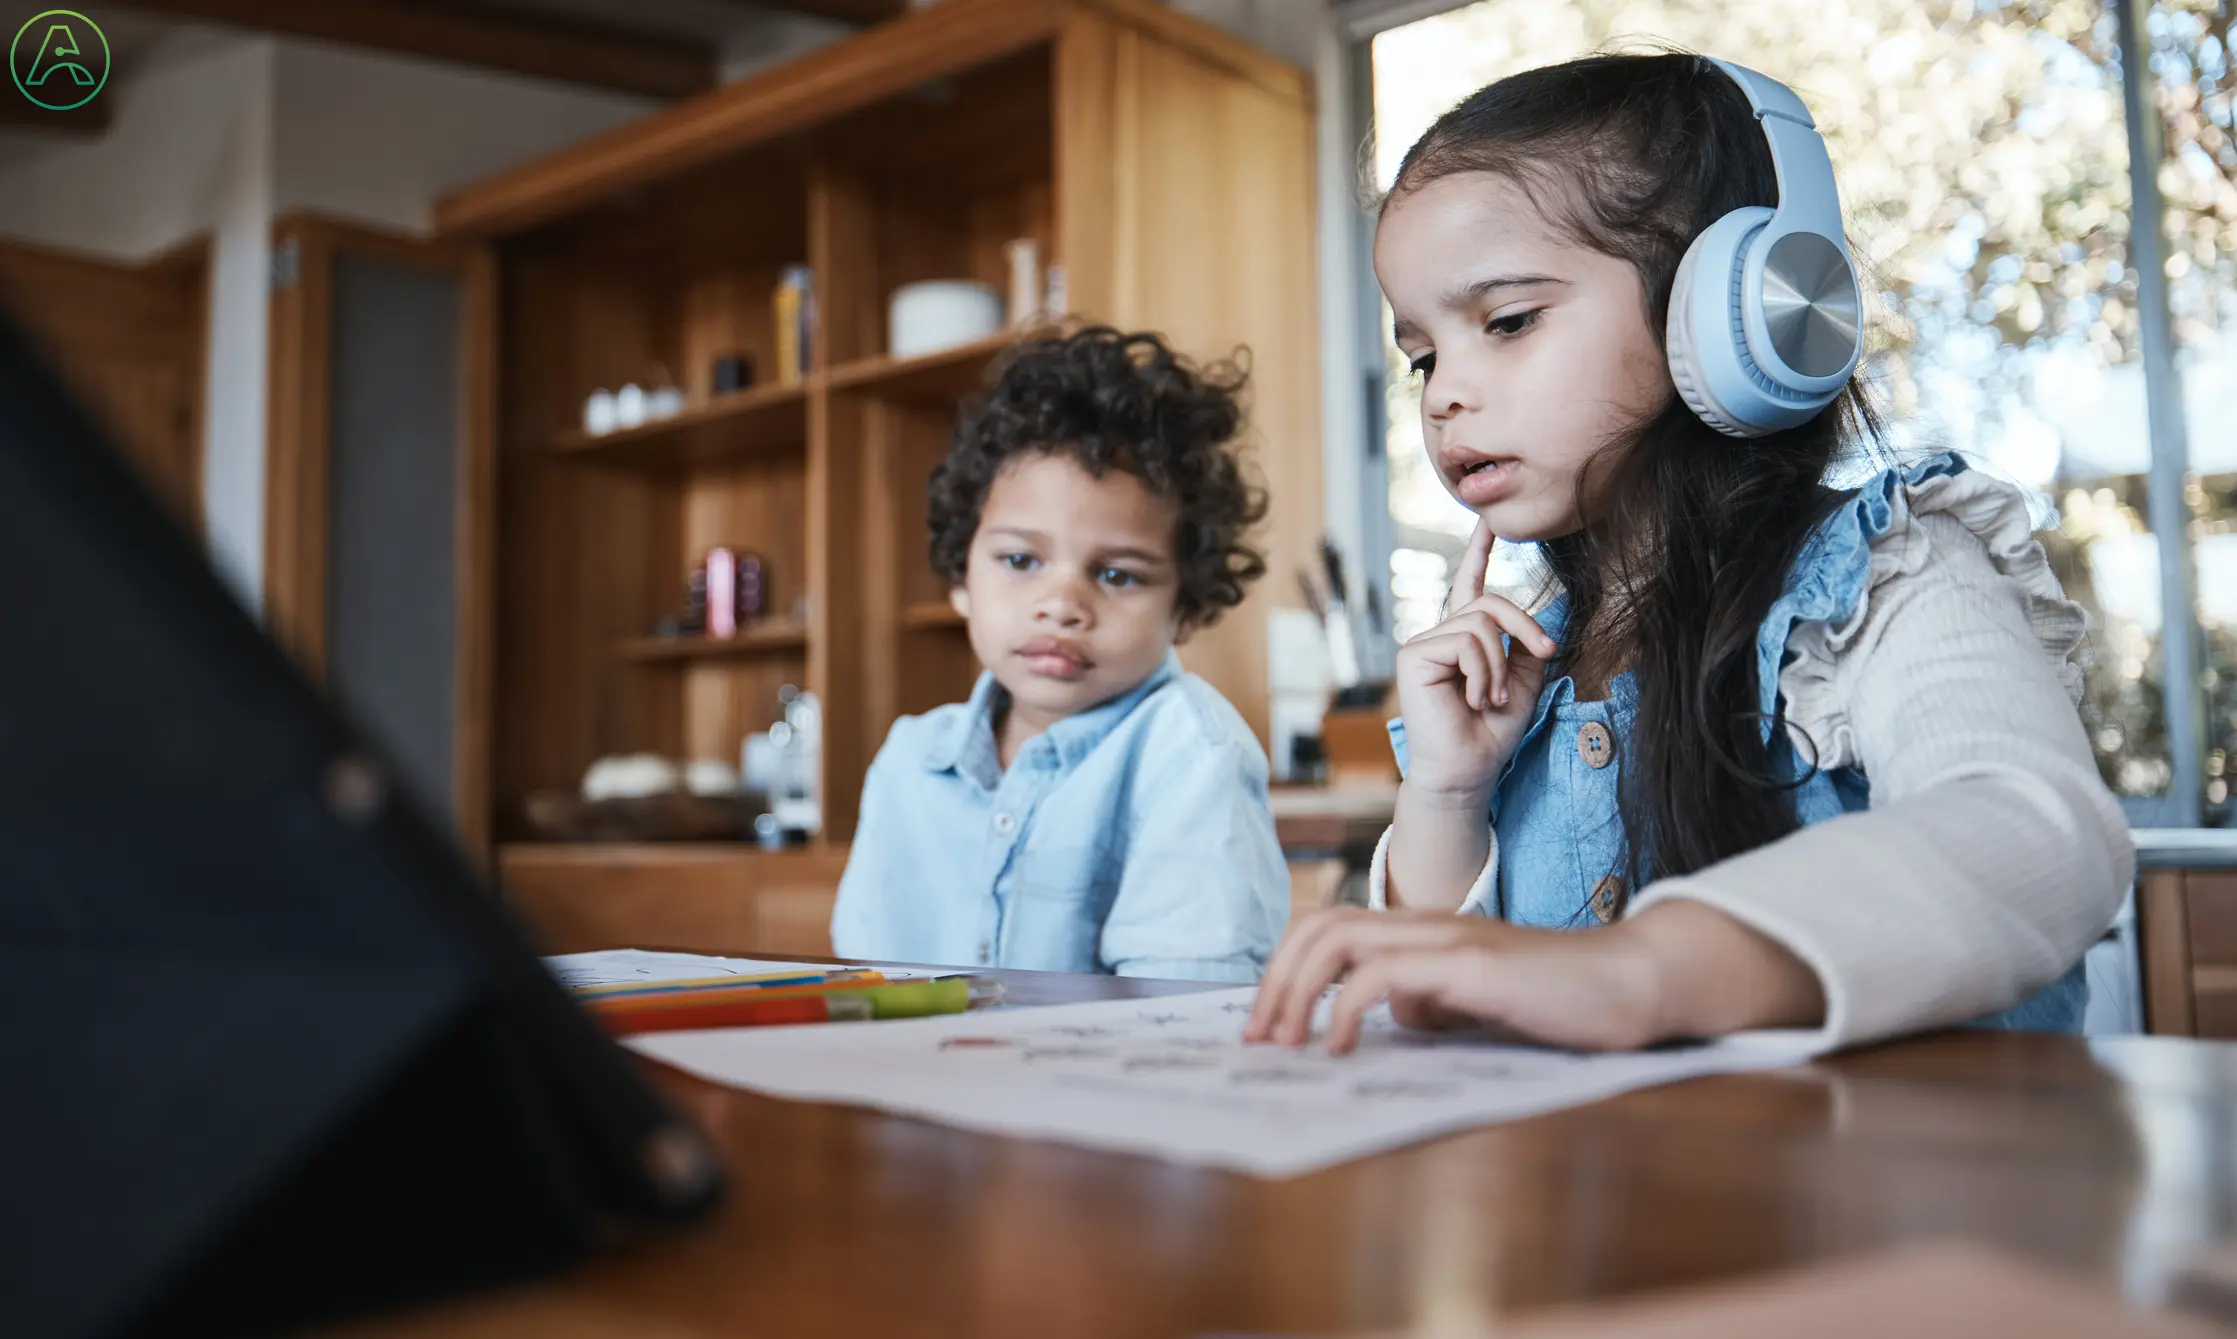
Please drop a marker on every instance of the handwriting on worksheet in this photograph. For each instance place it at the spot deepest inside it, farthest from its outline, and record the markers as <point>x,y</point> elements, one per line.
<point>1171,1078</point>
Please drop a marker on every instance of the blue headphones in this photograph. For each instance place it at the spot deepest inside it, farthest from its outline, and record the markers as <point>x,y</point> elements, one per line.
<point>1765,315</point>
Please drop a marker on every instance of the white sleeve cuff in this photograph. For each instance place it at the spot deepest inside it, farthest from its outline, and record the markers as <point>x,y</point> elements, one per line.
<point>1839,1027</point>
<point>1476,903</point>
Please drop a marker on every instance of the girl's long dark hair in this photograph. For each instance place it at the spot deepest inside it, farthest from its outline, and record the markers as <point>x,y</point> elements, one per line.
<point>1692,532</point>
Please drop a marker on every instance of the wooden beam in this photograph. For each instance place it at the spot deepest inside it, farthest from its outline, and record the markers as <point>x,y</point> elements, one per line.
<point>940,39</point>
<point>88,122</point>
<point>1211,44</point>
<point>548,48</point>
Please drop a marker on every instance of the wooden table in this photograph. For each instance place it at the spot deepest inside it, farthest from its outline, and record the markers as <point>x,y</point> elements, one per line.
<point>2112,1160</point>
<point>2186,911</point>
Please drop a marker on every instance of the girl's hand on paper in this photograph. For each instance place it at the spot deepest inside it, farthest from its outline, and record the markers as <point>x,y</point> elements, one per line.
<point>1678,969</point>
<point>1438,970</point>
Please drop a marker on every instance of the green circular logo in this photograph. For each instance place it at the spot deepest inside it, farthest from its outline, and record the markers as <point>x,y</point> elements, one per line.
<point>55,69</point>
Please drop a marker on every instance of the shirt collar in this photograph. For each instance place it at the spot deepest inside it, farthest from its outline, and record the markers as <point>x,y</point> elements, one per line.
<point>1553,617</point>
<point>970,734</point>
<point>969,745</point>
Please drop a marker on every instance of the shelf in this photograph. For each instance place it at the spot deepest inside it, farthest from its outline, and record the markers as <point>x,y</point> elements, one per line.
<point>947,375</point>
<point>765,637</point>
<point>770,418</point>
<point>763,418</point>
<point>930,614</point>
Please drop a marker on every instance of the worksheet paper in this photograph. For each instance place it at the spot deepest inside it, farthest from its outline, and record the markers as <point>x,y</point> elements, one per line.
<point>643,967</point>
<point>1171,1078</point>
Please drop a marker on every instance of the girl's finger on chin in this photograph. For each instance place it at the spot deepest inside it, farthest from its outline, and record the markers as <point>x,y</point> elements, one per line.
<point>1475,562</point>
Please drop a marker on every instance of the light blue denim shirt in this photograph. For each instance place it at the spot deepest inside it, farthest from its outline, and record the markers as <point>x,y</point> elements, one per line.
<point>1555,807</point>
<point>1132,838</point>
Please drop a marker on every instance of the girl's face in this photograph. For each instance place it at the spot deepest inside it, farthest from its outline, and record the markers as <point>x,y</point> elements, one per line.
<point>1535,351</point>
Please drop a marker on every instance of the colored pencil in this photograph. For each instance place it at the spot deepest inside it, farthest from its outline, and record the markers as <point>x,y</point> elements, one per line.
<point>765,980</point>
<point>720,994</point>
<point>909,999</point>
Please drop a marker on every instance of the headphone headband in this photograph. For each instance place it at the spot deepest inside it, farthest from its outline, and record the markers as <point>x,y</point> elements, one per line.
<point>1766,96</point>
<point>1766,313</point>
<point>1808,200</point>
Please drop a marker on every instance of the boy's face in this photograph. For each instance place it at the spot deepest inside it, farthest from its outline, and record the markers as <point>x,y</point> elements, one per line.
<point>1071,585</point>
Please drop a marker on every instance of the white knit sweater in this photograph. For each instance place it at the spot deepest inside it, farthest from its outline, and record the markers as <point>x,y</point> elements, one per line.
<point>1991,856</point>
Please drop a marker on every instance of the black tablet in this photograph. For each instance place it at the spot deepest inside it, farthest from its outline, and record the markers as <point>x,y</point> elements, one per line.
<point>270,1052</point>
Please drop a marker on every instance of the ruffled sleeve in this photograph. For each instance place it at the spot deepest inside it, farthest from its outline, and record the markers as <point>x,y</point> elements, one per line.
<point>1924,640</point>
<point>1884,535</point>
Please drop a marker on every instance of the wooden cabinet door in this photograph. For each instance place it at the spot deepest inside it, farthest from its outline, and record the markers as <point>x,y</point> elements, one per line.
<point>379,491</point>
<point>130,342</point>
<point>1184,204</point>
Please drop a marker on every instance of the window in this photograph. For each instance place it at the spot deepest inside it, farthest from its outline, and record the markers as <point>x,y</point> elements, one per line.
<point>1983,153</point>
<point>2192,100</point>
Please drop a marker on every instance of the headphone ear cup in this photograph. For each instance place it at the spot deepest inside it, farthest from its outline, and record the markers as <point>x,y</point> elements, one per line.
<point>1701,336</point>
<point>1679,344</point>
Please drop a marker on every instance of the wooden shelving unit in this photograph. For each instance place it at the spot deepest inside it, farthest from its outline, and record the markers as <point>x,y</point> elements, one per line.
<point>946,376</point>
<point>930,614</point>
<point>912,151</point>
<point>776,634</point>
<point>736,424</point>
<point>715,897</point>
<point>775,418</point>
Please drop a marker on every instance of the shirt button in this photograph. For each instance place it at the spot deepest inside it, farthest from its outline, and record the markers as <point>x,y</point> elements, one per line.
<point>984,948</point>
<point>1606,897</point>
<point>1595,745</point>
<point>1005,822</point>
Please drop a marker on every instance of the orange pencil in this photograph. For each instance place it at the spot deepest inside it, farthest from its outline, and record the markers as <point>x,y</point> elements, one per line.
<point>908,999</point>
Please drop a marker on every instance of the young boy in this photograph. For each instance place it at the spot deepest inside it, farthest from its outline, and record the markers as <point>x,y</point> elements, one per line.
<point>1092,807</point>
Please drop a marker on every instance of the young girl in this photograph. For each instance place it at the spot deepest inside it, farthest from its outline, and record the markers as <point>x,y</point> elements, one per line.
<point>1789,757</point>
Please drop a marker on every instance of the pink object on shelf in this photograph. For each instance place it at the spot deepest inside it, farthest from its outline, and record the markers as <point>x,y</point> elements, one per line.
<point>722,593</point>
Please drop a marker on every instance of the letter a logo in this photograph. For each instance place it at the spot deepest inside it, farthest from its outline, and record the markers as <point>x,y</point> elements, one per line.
<point>60,59</point>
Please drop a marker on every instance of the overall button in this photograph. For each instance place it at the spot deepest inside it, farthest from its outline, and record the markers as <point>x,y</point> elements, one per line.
<point>1005,822</point>
<point>1606,894</point>
<point>1595,745</point>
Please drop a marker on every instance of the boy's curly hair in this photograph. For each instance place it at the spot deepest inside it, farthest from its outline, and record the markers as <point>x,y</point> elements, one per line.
<point>1111,400</point>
